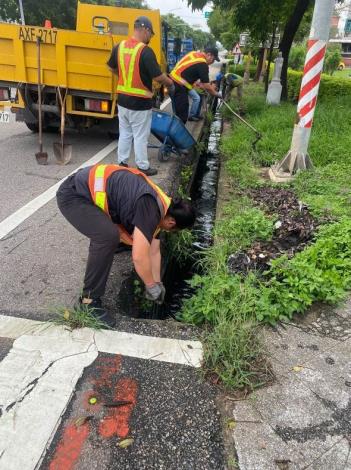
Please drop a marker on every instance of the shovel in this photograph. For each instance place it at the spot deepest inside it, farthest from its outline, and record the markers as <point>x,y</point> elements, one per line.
<point>258,134</point>
<point>62,152</point>
<point>42,157</point>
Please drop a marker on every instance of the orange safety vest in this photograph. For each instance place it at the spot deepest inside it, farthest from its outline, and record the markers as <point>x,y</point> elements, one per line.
<point>187,61</point>
<point>98,176</point>
<point>129,80</point>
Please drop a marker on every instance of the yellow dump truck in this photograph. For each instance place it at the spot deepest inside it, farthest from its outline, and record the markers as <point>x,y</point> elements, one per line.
<point>73,64</point>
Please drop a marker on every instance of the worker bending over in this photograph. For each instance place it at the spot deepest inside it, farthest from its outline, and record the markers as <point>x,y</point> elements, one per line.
<point>109,204</point>
<point>191,68</point>
<point>136,66</point>
<point>231,81</point>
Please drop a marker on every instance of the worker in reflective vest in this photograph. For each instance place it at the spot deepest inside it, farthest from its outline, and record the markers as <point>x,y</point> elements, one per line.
<point>136,66</point>
<point>109,204</point>
<point>192,67</point>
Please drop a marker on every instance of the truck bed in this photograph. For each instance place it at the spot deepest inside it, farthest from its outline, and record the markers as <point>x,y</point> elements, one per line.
<point>69,59</point>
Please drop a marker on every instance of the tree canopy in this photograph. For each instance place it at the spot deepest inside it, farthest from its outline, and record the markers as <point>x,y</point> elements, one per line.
<point>178,28</point>
<point>62,13</point>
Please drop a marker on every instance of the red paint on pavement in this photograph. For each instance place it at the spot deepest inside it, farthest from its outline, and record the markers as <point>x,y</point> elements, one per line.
<point>117,422</point>
<point>105,370</point>
<point>70,447</point>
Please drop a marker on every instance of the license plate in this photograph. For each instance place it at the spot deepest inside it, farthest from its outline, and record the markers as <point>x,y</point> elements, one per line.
<point>4,117</point>
<point>30,33</point>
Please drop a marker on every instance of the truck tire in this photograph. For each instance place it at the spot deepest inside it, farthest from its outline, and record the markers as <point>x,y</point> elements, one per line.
<point>32,126</point>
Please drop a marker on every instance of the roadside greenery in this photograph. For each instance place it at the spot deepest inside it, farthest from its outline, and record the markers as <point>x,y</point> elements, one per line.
<point>235,305</point>
<point>79,316</point>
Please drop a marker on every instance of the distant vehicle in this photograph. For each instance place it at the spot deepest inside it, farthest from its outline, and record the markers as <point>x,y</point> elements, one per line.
<point>176,49</point>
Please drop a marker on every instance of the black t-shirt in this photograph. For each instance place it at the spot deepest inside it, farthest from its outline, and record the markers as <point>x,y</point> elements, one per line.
<point>131,200</point>
<point>147,216</point>
<point>196,72</point>
<point>149,69</point>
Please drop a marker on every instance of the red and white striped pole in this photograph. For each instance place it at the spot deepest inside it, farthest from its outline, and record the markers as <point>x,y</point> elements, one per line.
<point>297,158</point>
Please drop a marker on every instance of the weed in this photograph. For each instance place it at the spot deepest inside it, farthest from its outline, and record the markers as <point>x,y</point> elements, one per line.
<point>144,304</point>
<point>233,463</point>
<point>179,246</point>
<point>79,316</point>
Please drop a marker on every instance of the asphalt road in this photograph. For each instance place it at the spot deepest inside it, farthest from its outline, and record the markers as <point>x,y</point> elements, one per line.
<point>43,258</point>
<point>40,263</point>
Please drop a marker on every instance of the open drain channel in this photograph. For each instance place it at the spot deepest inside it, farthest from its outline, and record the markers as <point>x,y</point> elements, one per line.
<point>204,196</point>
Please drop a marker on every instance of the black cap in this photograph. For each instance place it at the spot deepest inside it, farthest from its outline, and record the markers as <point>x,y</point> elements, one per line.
<point>143,22</point>
<point>213,51</point>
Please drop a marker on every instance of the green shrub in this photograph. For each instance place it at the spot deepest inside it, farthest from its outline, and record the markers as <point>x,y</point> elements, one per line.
<point>332,58</point>
<point>322,272</point>
<point>241,226</point>
<point>220,295</point>
<point>297,57</point>
<point>240,70</point>
<point>329,86</point>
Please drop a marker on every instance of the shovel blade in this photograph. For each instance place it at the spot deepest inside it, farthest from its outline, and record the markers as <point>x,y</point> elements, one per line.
<point>63,153</point>
<point>42,158</point>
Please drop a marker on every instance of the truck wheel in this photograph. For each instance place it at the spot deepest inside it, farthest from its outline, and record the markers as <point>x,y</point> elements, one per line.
<point>32,126</point>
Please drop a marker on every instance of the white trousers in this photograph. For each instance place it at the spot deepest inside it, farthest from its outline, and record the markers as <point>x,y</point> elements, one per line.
<point>134,126</point>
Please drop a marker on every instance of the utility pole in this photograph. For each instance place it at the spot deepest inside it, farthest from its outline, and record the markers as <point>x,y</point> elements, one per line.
<point>21,11</point>
<point>297,158</point>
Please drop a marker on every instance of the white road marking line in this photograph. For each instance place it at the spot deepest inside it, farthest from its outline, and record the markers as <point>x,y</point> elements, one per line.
<point>150,347</point>
<point>37,380</point>
<point>15,219</point>
<point>114,342</point>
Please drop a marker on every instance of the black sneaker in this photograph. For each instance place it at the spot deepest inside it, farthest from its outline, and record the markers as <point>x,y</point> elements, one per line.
<point>96,309</point>
<point>149,171</point>
<point>124,164</point>
<point>195,119</point>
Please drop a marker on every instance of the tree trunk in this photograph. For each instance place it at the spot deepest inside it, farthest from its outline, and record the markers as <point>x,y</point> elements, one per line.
<point>290,30</point>
<point>259,65</point>
<point>270,58</point>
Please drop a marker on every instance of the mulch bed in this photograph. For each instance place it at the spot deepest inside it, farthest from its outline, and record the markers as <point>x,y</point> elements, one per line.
<point>294,229</point>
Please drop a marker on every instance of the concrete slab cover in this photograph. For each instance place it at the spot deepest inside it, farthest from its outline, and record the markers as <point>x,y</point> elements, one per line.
<point>117,342</point>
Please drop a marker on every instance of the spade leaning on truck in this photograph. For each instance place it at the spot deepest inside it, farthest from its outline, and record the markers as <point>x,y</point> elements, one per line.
<point>109,204</point>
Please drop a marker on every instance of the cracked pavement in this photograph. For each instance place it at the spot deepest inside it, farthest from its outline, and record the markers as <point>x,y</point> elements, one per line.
<point>303,420</point>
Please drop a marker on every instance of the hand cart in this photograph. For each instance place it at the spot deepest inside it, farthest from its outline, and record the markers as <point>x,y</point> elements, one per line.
<point>172,133</point>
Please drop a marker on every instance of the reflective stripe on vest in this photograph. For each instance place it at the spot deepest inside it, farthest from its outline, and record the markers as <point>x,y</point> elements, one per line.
<point>187,61</point>
<point>98,176</point>
<point>129,80</point>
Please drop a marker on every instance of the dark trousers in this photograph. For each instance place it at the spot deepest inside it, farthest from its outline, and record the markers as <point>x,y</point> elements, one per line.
<point>96,225</point>
<point>181,102</point>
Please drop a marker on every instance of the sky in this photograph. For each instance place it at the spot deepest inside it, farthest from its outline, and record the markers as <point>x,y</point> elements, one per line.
<point>179,8</point>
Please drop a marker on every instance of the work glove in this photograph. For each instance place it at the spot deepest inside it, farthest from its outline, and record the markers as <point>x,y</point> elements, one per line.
<point>154,293</point>
<point>163,291</point>
<point>171,90</point>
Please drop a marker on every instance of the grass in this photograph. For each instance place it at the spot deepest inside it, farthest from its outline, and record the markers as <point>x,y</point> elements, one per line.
<point>79,316</point>
<point>234,305</point>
